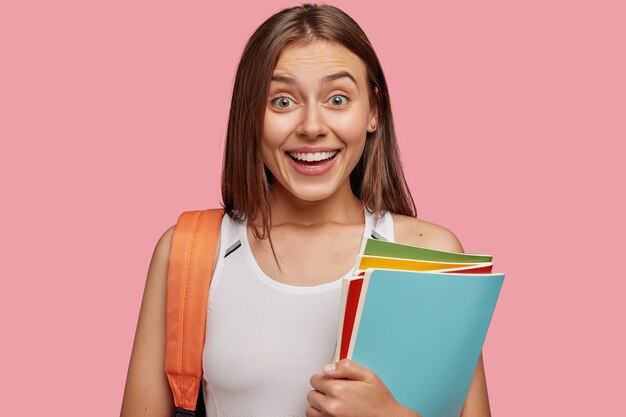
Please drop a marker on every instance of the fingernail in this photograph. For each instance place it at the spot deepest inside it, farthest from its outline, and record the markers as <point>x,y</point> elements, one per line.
<point>329,367</point>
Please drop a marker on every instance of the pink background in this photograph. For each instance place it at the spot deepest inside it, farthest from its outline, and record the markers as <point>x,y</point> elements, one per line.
<point>113,117</point>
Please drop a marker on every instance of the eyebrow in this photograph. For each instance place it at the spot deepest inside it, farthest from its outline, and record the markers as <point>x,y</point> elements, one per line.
<point>325,80</point>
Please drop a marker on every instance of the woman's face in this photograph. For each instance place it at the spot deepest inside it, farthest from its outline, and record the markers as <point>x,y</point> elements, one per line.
<point>316,119</point>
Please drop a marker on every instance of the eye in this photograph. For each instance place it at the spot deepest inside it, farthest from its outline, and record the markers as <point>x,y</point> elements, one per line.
<point>282,100</point>
<point>335,100</point>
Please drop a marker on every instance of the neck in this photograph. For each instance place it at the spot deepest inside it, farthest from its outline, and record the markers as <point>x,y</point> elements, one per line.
<point>341,207</point>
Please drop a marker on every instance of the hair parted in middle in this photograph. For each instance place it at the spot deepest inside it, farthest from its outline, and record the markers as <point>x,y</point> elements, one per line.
<point>377,180</point>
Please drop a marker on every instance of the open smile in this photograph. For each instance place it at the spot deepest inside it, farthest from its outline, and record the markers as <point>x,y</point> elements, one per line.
<point>312,158</point>
<point>312,163</point>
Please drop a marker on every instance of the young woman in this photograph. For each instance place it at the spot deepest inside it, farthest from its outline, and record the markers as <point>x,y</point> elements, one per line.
<point>311,167</point>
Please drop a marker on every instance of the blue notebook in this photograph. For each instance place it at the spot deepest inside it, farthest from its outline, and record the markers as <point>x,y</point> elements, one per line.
<point>422,333</point>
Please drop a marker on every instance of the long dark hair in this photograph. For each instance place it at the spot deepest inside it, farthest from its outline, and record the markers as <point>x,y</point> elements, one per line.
<point>377,179</point>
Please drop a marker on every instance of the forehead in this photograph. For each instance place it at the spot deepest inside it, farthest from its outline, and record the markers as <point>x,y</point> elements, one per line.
<point>318,57</point>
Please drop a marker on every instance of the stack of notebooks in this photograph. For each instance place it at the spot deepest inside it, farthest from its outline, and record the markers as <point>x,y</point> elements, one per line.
<point>418,318</point>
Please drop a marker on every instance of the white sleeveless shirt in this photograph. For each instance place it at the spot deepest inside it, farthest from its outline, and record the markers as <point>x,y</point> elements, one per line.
<point>265,339</point>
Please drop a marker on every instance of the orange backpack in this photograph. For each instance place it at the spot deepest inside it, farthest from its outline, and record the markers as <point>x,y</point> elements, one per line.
<point>190,269</point>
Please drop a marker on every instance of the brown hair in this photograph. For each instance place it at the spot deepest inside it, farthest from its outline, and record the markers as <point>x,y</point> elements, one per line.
<point>377,179</point>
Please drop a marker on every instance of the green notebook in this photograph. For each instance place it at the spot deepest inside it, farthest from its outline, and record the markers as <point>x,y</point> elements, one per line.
<point>374,247</point>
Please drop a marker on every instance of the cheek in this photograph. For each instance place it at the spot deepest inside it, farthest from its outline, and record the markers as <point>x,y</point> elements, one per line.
<point>268,153</point>
<point>272,137</point>
<point>352,126</point>
<point>276,127</point>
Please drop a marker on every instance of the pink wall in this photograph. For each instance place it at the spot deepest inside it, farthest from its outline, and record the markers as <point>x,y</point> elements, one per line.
<point>508,116</point>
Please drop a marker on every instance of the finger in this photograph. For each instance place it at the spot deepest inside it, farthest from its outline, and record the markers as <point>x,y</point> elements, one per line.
<point>320,382</point>
<point>315,399</point>
<point>349,369</point>
<point>312,412</point>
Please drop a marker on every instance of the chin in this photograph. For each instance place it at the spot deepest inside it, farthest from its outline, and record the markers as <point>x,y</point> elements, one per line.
<point>312,193</point>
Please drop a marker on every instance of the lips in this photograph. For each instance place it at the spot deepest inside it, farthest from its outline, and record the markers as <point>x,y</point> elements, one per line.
<point>307,158</point>
<point>312,163</point>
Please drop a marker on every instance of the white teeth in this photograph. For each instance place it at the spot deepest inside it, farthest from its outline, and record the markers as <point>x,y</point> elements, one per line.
<point>311,157</point>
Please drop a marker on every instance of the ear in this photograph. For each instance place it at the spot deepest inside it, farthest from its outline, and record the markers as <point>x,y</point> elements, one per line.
<point>373,114</point>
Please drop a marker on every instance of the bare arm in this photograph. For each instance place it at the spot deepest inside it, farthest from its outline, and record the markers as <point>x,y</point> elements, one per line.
<point>411,231</point>
<point>477,400</point>
<point>147,392</point>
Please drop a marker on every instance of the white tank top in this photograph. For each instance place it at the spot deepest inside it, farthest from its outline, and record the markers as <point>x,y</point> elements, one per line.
<point>265,339</point>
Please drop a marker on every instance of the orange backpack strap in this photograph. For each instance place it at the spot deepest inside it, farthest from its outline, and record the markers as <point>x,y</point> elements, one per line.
<point>190,269</point>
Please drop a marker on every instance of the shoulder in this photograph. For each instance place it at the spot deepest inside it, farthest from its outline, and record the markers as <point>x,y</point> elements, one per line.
<point>164,244</point>
<point>157,272</point>
<point>411,231</point>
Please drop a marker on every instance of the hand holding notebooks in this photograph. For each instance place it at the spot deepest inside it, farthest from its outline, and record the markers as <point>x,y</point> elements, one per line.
<point>420,331</point>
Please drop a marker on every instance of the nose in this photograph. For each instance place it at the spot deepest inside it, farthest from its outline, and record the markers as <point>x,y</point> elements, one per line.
<point>312,125</point>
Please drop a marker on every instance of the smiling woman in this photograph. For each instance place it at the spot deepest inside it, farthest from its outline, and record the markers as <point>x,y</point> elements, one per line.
<point>311,168</point>
<point>316,121</point>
